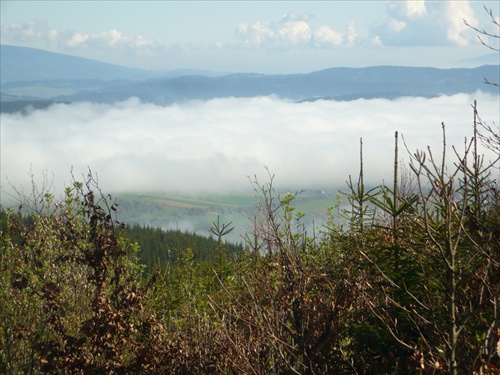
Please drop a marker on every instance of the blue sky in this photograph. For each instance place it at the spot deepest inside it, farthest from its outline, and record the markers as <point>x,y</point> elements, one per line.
<point>254,36</point>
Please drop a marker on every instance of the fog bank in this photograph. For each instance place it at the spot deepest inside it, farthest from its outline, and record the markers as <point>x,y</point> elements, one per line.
<point>215,145</point>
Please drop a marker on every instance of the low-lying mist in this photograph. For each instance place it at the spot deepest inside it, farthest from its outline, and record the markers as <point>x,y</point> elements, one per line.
<point>215,145</point>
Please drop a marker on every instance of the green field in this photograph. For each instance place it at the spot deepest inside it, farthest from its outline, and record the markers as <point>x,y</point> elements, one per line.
<point>196,213</point>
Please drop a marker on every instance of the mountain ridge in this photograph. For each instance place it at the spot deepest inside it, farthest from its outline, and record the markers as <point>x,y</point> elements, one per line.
<point>72,79</point>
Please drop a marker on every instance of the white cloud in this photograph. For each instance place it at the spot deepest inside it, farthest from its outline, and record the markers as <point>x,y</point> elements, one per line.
<point>325,36</point>
<point>415,8</point>
<point>456,12</point>
<point>41,34</point>
<point>29,31</point>
<point>376,41</point>
<point>215,145</point>
<point>426,23</point>
<point>78,39</point>
<point>109,39</point>
<point>395,25</point>
<point>406,9</point>
<point>256,34</point>
<point>351,34</point>
<point>113,37</point>
<point>52,35</point>
<point>293,30</point>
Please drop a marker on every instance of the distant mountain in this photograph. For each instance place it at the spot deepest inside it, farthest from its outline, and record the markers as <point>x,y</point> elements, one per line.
<point>336,83</point>
<point>488,59</point>
<point>31,64</point>
<point>35,75</point>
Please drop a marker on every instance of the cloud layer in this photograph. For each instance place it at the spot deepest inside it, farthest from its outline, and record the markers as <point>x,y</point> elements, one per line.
<point>215,145</point>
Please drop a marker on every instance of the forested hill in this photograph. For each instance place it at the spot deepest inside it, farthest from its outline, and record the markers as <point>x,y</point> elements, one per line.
<point>159,247</point>
<point>336,83</point>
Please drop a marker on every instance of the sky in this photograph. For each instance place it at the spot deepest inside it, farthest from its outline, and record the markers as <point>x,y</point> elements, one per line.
<point>254,36</point>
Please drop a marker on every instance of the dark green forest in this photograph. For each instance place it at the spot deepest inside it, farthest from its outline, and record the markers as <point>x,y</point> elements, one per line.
<point>161,247</point>
<point>406,280</point>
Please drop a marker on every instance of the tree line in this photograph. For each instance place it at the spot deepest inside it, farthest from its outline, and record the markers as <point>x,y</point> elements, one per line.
<point>160,247</point>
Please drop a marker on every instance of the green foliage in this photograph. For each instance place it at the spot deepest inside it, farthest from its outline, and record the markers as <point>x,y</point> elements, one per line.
<point>70,290</point>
